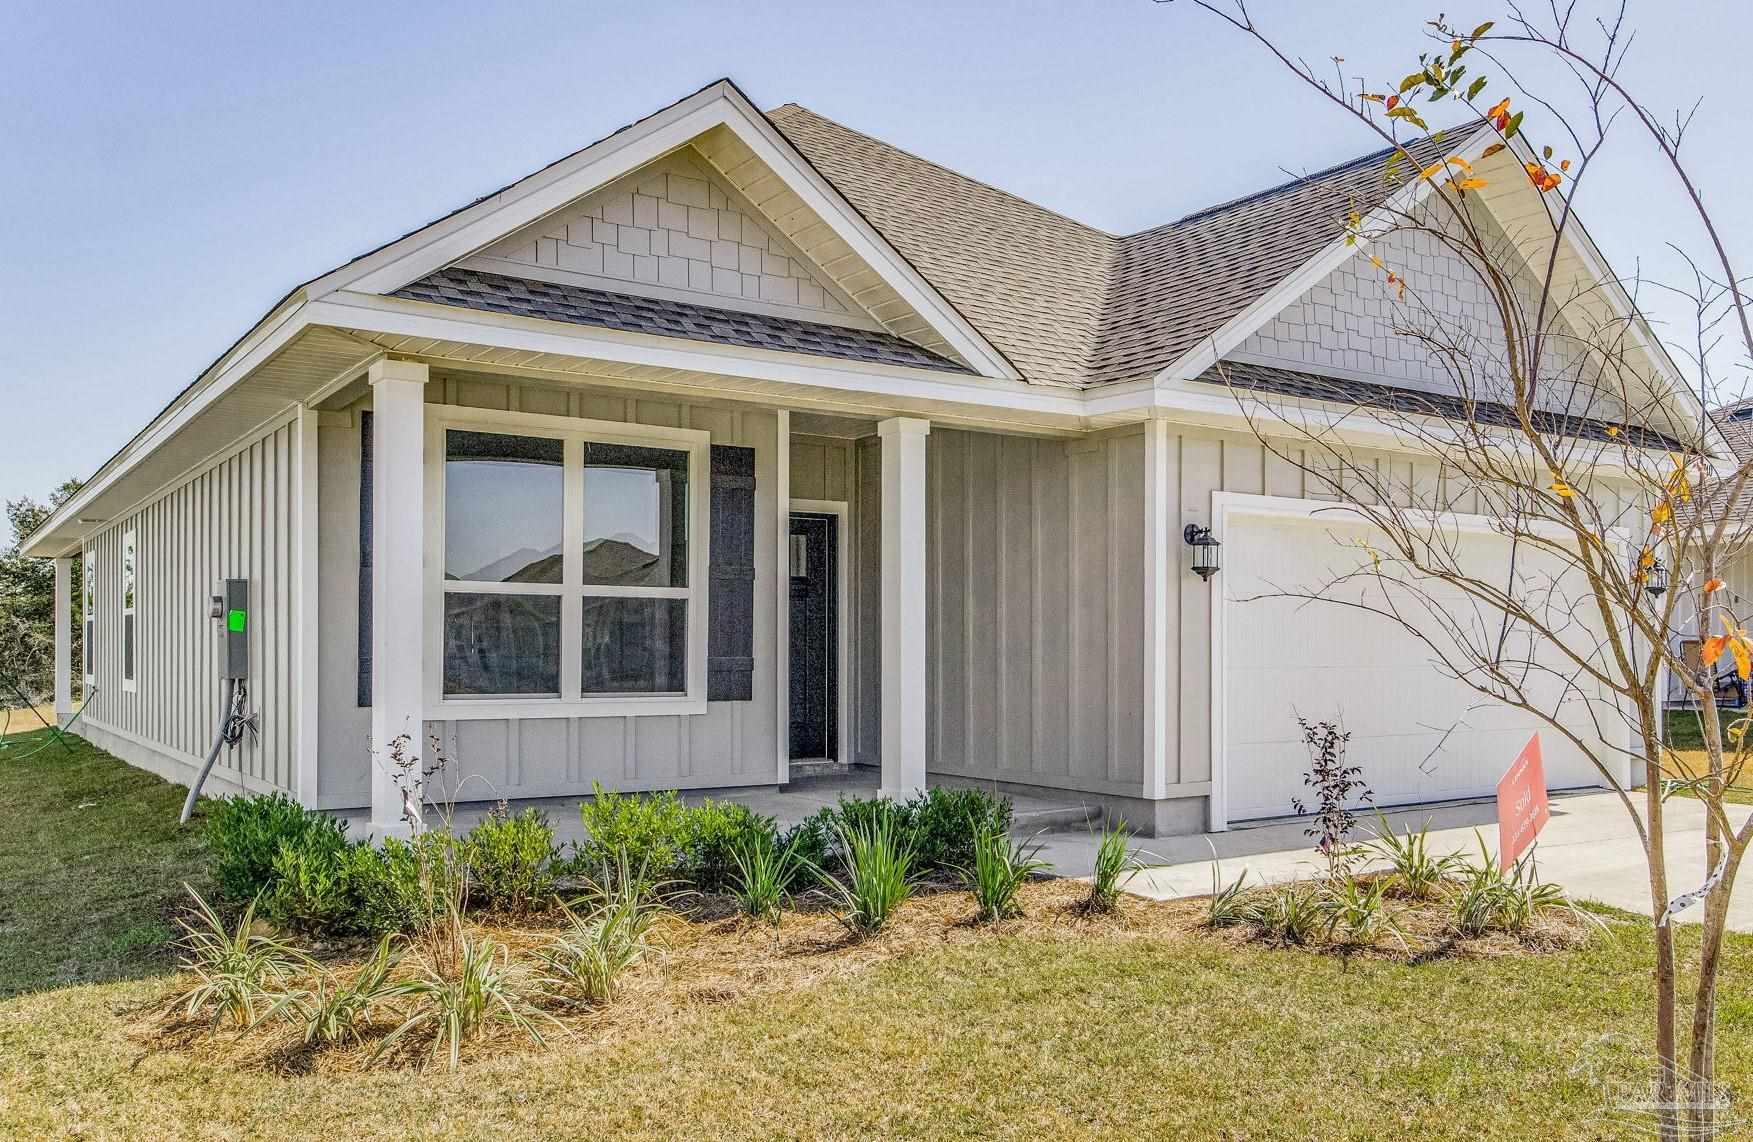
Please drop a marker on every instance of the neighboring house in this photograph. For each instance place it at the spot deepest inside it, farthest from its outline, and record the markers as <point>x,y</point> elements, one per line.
<point>738,438</point>
<point>1734,422</point>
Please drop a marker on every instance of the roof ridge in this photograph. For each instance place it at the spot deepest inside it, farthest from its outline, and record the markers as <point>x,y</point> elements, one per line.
<point>1299,180</point>
<point>949,170</point>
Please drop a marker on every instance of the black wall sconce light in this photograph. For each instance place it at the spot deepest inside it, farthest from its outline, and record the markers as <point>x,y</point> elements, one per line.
<point>1654,577</point>
<point>1204,545</point>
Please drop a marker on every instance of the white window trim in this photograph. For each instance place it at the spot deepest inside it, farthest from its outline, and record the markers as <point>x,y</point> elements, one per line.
<point>574,431</point>
<point>130,601</point>
<point>88,635</point>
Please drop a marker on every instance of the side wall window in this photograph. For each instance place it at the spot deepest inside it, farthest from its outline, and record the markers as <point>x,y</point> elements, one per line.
<point>128,627</point>
<point>89,606</point>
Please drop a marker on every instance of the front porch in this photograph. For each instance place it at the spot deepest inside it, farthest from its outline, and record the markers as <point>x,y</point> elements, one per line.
<point>1061,820</point>
<point>567,630</point>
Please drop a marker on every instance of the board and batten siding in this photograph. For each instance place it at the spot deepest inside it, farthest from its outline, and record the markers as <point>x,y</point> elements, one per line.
<point>732,744</point>
<point>1036,594</point>
<point>233,519</point>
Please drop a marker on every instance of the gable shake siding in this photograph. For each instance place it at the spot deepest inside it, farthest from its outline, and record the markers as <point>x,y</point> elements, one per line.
<point>231,520</point>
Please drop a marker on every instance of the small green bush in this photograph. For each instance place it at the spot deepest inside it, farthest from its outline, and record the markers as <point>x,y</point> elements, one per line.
<point>879,873</point>
<point>713,833</point>
<point>943,824</point>
<point>1000,867</point>
<point>650,830</point>
<point>812,839</point>
<point>1116,863</point>
<point>403,886</point>
<point>764,875</point>
<point>511,860</point>
<point>309,888</point>
<point>244,834</point>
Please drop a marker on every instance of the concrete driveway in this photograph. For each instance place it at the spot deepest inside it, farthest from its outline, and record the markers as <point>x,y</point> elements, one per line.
<point>1589,847</point>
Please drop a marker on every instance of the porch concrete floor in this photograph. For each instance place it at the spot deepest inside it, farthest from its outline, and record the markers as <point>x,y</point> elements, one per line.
<point>802,799</point>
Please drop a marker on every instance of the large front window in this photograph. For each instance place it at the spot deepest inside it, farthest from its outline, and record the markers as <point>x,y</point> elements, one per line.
<point>568,561</point>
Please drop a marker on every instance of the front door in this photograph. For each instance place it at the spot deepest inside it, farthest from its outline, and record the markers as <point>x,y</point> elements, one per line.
<point>814,639</point>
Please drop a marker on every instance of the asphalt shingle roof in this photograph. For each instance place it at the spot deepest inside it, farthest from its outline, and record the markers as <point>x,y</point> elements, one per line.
<point>1068,303</point>
<point>579,305</point>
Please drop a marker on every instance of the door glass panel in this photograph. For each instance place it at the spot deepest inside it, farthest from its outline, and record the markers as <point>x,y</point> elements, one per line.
<point>502,507</point>
<point>635,516</point>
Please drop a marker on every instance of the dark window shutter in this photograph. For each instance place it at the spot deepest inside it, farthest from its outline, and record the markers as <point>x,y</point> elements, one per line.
<point>730,640</point>
<point>364,559</point>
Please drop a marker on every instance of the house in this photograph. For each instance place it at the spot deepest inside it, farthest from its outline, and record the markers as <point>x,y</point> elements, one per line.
<point>739,438</point>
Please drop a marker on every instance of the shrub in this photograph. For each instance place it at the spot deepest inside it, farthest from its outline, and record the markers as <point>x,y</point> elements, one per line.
<point>1354,911</point>
<point>308,888</point>
<point>511,860</point>
<point>245,833</point>
<point>337,1012</point>
<point>586,962</point>
<point>459,999</point>
<point>1491,898</point>
<point>1116,861</point>
<point>812,839</point>
<point>999,869</point>
<point>712,833</point>
<point>879,873</point>
<point>1227,906</point>
<point>764,875</point>
<point>235,968</point>
<point>1289,914</point>
<point>403,886</point>
<point>943,825</point>
<point>651,830</point>
<point>1416,873</point>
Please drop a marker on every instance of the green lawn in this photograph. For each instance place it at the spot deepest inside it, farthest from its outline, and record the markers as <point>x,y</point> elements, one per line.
<point>1049,1027</point>
<point>91,862</point>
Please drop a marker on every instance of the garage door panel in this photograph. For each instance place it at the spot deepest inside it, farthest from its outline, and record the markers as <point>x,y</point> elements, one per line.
<point>1418,733</point>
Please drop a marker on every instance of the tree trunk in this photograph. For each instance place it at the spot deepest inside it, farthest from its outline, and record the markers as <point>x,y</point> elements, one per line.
<point>1702,1071</point>
<point>1667,1052</point>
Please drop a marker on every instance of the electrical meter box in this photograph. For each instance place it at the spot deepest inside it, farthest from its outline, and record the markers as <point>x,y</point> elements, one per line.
<point>234,617</point>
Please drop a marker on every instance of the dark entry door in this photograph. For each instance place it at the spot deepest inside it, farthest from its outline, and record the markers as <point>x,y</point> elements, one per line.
<point>814,639</point>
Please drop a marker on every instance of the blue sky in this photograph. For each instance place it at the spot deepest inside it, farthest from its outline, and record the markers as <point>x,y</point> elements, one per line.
<point>172,169</point>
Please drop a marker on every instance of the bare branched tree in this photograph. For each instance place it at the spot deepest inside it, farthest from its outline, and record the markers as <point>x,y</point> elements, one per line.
<point>1552,415</point>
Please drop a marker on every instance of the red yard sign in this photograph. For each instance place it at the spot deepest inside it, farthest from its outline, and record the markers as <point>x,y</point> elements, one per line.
<point>1522,810</point>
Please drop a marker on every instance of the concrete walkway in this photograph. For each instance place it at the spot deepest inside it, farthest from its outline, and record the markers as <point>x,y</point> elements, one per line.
<point>1589,847</point>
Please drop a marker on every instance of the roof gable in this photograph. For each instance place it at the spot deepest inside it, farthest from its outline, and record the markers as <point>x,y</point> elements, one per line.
<point>720,123</point>
<point>672,229</point>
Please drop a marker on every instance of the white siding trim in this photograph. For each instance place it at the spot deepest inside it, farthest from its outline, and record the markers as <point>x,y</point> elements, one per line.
<point>782,594</point>
<point>306,624</point>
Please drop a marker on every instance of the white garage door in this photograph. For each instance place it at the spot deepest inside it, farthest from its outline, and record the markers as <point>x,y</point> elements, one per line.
<point>1419,734</point>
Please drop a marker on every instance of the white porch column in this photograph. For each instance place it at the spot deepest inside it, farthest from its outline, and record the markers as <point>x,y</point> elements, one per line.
<point>63,624</point>
<point>903,558</point>
<point>398,583</point>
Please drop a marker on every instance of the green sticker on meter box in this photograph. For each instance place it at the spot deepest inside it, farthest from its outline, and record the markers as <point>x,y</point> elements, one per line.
<point>234,620</point>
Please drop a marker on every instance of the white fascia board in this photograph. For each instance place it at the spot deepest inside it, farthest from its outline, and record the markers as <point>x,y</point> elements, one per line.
<point>273,333</point>
<point>401,317</point>
<point>475,228</point>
